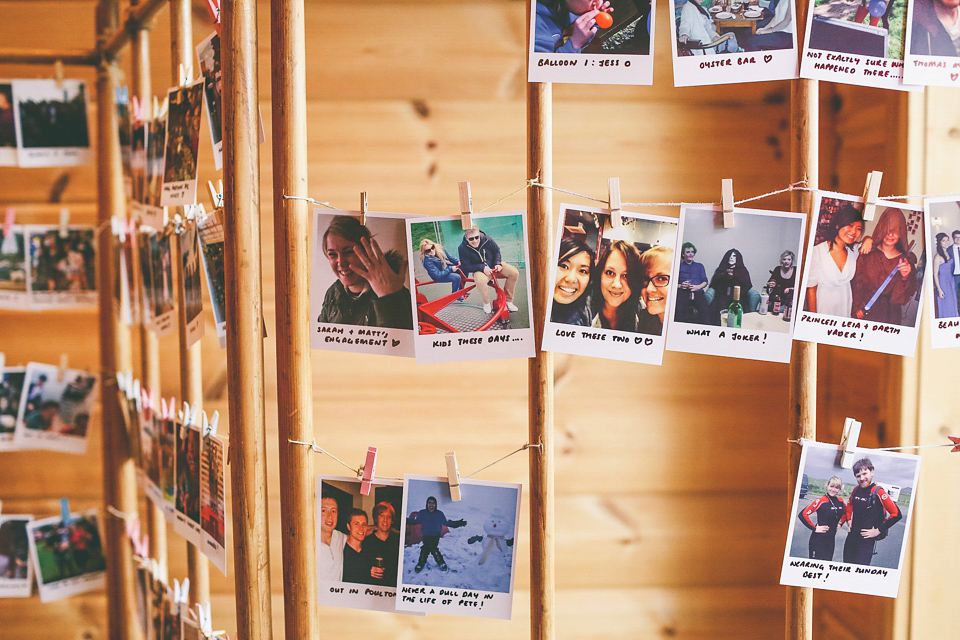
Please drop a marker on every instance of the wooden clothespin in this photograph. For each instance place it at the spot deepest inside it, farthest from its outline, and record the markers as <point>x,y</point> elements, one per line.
<point>726,201</point>
<point>453,475</point>
<point>363,210</point>
<point>1,506</point>
<point>65,511</point>
<point>8,222</point>
<point>466,206</point>
<point>369,471</point>
<point>64,221</point>
<point>615,204</point>
<point>871,191</point>
<point>58,73</point>
<point>62,369</point>
<point>216,195</point>
<point>848,442</point>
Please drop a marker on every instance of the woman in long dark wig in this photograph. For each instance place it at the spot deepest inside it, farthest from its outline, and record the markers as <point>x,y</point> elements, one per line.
<point>889,254</point>
<point>730,273</point>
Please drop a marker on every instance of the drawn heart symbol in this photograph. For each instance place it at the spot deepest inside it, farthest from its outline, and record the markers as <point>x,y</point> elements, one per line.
<point>396,342</point>
<point>953,77</point>
<point>767,58</point>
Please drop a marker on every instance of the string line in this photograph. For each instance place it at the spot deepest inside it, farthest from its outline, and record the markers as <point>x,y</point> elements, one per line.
<point>901,448</point>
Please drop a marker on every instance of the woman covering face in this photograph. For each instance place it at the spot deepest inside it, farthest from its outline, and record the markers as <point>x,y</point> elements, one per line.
<point>619,279</point>
<point>571,298</point>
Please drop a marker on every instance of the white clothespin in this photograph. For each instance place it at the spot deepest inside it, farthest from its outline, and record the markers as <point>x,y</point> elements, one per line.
<point>466,206</point>
<point>62,369</point>
<point>8,223</point>
<point>216,195</point>
<point>58,73</point>
<point>180,592</point>
<point>363,207</point>
<point>3,360</point>
<point>210,427</point>
<point>186,71</point>
<point>726,189</point>
<point>871,191</point>
<point>369,470</point>
<point>65,511</point>
<point>134,392</point>
<point>204,618</point>
<point>615,203</point>
<point>121,382</point>
<point>64,221</point>
<point>453,476</point>
<point>848,442</point>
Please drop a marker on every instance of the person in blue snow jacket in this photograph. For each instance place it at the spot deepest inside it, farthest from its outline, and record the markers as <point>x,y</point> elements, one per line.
<point>567,26</point>
<point>432,521</point>
<point>440,265</point>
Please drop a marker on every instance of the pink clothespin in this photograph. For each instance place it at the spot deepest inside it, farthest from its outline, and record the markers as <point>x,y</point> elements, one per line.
<point>8,222</point>
<point>871,191</point>
<point>213,6</point>
<point>848,442</point>
<point>453,476</point>
<point>369,471</point>
<point>726,189</point>
<point>616,220</point>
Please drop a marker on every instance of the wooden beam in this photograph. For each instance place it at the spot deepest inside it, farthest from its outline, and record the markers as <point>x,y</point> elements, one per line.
<point>138,19</point>
<point>244,299</point>
<point>78,57</point>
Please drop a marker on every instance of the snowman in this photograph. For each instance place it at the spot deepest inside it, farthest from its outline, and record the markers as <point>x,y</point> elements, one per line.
<point>497,528</point>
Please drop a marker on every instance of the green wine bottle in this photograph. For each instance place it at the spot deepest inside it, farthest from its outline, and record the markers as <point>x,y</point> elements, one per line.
<point>735,311</point>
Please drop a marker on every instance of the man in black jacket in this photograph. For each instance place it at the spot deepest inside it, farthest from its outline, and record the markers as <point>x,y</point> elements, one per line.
<point>480,259</point>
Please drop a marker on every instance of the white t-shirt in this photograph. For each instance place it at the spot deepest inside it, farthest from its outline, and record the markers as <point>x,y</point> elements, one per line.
<point>330,558</point>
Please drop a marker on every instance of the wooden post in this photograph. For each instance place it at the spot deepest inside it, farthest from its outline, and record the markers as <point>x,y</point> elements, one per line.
<point>149,343</point>
<point>804,164</point>
<point>291,223</point>
<point>244,299</point>
<point>119,481</point>
<point>540,368</point>
<point>191,382</point>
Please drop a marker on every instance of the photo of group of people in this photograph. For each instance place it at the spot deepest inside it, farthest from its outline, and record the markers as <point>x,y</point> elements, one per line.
<point>854,522</point>
<point>49,122</point>
<point>192,287</point>
<point>53,408</point>
<point>867,271</point>
<point>210,232</point>
<point>213,502</point>
<point>182,145</point>
<point>16,570</point>
<point>11,392</point>
<point>41,267</point>
<point>942,217</point>
<point>67,554</point>
<point>208,55</point>
<point>187,522</point>
<point>156,279</point>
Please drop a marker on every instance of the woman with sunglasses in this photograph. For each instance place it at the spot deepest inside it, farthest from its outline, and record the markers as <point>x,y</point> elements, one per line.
<point>440,265</point>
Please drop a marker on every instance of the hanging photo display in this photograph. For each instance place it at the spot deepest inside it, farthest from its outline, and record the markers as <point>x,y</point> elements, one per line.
<point>166,437</point>
<point>610,286</point>
<point>187,522</point>
<point>472,287</point>
<point>62,267</point>
<point>150,418</point>
<point>727,41</point>
<point>149,211</point>
<point>164,313</point>
<point>16,570</point>
<point>942,218</point>
<point>458,557</point>
<point>13,268</point>
<point>146,278</point>
<point>192,287</point>
<point>208,55</point>
<point>862,287</point>
<point>67,555</point>
<point>213,501</point>
<point>8,127</point>
<point>11,394</point>
<point>745,307</point>
<point>358,543</point>
<point>124,132</point>
<point>591,41</point>
<point>51,123</point>
<point>933,43</point>
<point>856,43</point>
<point>359,297</point>
<point>849,526</point>
<point>210,231</point>
<point>182,145</point>
<point>55,409</point>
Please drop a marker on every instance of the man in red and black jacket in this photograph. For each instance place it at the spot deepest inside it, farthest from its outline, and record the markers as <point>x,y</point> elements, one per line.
<point>871,511</point>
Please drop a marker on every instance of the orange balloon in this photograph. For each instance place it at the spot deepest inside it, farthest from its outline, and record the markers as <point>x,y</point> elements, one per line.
<point>604,20</point>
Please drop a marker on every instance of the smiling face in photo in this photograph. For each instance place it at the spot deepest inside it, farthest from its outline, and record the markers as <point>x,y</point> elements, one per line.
<point>613,280</point>
<point>573,276</point>
<point>341,253</point>
<point>654,292</point>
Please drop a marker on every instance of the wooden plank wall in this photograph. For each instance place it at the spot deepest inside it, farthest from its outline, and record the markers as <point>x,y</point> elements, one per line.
<point>670,480</point>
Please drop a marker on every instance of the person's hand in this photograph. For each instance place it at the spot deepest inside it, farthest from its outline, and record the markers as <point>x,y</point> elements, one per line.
<point>487,272</point>
<point>375,269</point>
<point>904,268</point>
<point>763,30</point>
<point>788,291</point>
<point>601,5</point>
<point>454,524</point>
<point>584,28</point>
<point>498,268</point>
<point>940,293</point>
<point>870,533</point>
<point>729,271</point>
<point>867,245</point>
<point>376,573</point>
<point>822,528</point>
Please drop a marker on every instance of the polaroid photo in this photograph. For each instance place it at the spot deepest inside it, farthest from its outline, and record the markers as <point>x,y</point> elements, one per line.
<point>11,395</point>
<point>124,132</point>
<point>149,211</point>
<point>145,294</point>
<point>472,286</point>
<point>164,312</point>
<point>55,409</point>
<point>142,587</point>
<point>213,501</point>
<point>166,439</point>
<point>851,525</point>
<point>14,269</point>
<point>458,557</point>
<point>863,283</point>
<point>8,127</point>
<point>359,299</point>
<point>150,453</point>
<point>126,280</point>
<point>192,287</point>
<point>729,41</point>
<point>610,287</point>
<point>16,570</point>
<point>932,47</point>
<point>62,268</point>
<point>187,521</point>
<point>942,219</point>
<point>190,629</point>
<point>208,55</point>
<point>358,543</point>
<point>51,123</point>
<point>67,555</point>
<point>138,161</point>
<point>744,309</point>
<point>591,41</point>
<point>182,145</point>
<point>210,231</point>
<point>859,44</point>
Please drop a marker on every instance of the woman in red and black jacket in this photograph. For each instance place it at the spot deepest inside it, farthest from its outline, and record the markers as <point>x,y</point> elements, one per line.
<point>871,512</point>
<point>831,513</point>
